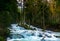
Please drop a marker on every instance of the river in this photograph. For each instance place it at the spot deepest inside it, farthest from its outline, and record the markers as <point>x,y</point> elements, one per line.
<point>18,33</point>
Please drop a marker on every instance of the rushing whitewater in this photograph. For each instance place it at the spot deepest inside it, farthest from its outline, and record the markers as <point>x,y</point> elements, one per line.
<point>18,33</point>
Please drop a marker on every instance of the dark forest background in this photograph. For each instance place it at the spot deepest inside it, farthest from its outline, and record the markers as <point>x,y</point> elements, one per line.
<point>37,12</point>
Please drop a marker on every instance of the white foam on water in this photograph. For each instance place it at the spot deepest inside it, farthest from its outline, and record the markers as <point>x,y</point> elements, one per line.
<point>20,34</point>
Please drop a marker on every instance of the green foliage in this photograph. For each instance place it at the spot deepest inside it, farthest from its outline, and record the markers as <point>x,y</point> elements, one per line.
<point>39,14</point>
<point>8,15</point>
<point>35,11</point>
<point>58,2</point>
<point>2,39</point>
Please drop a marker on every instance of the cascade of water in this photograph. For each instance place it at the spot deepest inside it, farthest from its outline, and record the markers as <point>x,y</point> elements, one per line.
<point>21,34</point>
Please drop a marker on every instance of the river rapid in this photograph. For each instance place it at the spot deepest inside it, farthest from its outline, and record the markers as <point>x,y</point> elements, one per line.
<point>18,33</point>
